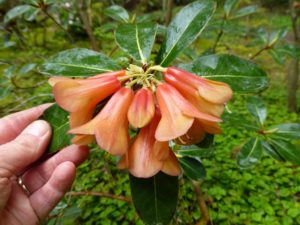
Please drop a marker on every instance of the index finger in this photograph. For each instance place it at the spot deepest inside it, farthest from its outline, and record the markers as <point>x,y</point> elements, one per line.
<point>12,125</point>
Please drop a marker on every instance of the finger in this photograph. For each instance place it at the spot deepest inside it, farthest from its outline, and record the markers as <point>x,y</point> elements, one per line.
<point>25,149</point>
<point>36,177</point>
<point>12,125</point>
<point>45,199</point>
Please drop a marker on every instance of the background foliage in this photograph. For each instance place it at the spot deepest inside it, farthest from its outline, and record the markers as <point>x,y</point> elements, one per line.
<point>268,193</point>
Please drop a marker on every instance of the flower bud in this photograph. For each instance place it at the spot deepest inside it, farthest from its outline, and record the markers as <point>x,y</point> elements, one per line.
<point>142,108</point>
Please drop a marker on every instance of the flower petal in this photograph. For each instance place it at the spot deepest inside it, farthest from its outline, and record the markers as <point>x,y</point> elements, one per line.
<point>113,73</point>
<point>73,95</point>
<point>81,117</point>
<point>187,108</point>
<point>111,125</point>
<point>173,123</point>
<point>54,80</point>
<point>171,165</point>
<point>161,150</point>
<point>142,108</point>
<point>145,154</point>
<point>192,95</point>
<point>83,139</point>
<point>212,91</point>
<point>123,162</point>
<point>211,127</point>
<point>194,135</point>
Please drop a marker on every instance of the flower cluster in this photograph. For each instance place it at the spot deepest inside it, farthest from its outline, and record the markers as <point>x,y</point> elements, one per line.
<point>180,107</point>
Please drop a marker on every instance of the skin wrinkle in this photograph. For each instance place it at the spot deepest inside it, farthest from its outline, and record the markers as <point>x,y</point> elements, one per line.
<point>11,215</point>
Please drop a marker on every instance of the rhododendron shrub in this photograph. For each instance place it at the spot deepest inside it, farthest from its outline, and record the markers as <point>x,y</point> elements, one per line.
<point>154,115</point>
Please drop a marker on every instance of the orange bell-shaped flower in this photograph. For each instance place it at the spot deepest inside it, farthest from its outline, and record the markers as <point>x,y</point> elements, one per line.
<point>110,126</point>
<point>193,96</point>
<point>212,91</point>
<point>177,114</point>
<point>142,108</point>
<point>80,97</point>
<point>146,154</point>
<point>78,94</point>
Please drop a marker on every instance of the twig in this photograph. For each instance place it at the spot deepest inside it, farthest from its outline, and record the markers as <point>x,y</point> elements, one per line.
<point>169,11</point>
<point>201,203</point>
<point>87,22</point>
<point>100,194</point>
<point>58,24</point>
<point>267,47</point>
<point>220,34</point>
<point>113,50</point>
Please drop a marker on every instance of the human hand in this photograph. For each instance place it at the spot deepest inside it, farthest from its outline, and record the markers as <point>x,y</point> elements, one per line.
<point>22,142</point>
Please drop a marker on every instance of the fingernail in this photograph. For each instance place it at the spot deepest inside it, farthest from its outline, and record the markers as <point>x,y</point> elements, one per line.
<point>38,128</point>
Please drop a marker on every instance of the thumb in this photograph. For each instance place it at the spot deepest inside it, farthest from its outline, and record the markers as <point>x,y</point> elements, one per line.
<point>25,149</point>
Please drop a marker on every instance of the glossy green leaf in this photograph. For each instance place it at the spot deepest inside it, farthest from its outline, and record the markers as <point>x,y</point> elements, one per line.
<point>16,11</point>
<point>271,151</point>
<point>136,39</point>
<point>195,151</point>
<point>78,62</point>
<point>262,35</point>
<point>277,56</point>
<point>250,153</point>
<point>277,35</point>
<point>286,131</point>
<point>257,108</point>
<point>192,168</point>
<point>118,13</point>
<point>59,121</point>
<point>155,198</point>
<point>242,75</point>
<point>229,5</point>
<point>184,29</point>
<point>27,68</point>
<point>31,14</point>
<point>32,2</point>
<point>190,53</point>
<point>237,120</point>
<point>246,11</point>
<point>290,50</point>
<point>286,150</point>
